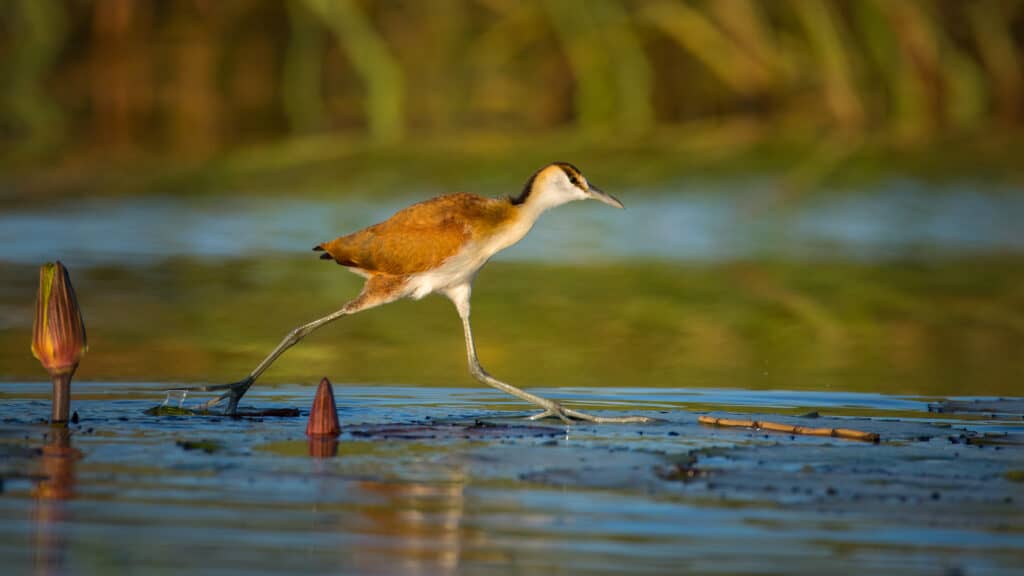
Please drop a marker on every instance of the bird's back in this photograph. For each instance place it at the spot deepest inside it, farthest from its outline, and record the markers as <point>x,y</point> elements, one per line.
<point>422,236</point>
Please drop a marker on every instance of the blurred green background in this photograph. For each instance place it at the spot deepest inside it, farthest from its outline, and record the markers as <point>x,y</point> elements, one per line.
<point>822,194</point>
<point>130,94</point>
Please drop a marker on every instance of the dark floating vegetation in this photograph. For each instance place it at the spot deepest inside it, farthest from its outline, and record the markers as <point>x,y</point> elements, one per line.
<point>170,410</point>
<point>206,446</point>
<point>995,407</point>
<point>477,430</point>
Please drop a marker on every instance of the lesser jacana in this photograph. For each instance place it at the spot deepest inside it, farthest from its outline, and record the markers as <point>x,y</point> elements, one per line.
<point>439,245</point>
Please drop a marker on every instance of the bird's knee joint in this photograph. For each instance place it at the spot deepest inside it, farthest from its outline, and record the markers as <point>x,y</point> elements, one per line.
<point>478,372</point>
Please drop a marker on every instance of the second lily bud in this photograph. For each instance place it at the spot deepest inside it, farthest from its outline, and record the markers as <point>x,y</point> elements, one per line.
<point>323,416</point>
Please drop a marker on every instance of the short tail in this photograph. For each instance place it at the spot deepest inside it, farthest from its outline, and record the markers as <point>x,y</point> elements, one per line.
<point>325,255</point>
<point>331,251</point>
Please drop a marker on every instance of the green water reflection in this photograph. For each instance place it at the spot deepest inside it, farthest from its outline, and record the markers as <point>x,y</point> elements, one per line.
<point>941,328</point>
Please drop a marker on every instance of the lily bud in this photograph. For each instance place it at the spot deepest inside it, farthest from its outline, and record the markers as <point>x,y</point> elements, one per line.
<point>323,417</point>
<point>58,334</point>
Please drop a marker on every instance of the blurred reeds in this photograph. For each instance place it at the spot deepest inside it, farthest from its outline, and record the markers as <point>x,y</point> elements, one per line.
<point>190,80</point>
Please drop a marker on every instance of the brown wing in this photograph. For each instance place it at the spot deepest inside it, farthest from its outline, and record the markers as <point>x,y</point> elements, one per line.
<point>420,237</point>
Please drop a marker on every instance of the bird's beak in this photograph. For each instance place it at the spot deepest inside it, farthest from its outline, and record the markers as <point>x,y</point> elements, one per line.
<point>597,194</point>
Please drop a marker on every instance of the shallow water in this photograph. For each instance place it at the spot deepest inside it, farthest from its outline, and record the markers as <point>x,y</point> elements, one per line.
<point>413,497</point>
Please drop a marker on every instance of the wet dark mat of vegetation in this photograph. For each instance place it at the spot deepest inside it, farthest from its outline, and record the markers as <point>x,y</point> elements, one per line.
<point>1006,407</point>
<point>476,430</point>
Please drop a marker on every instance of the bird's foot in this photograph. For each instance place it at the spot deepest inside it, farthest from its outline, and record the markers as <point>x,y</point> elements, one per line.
<point>233,393</point>
<point>567,415</point>
<point>556,411</point>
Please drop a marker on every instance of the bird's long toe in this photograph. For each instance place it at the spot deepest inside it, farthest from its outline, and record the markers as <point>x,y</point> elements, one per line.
<point>568,415</point>
<point>557,412</point>
<point>233,394</point>
<point>608,419</point>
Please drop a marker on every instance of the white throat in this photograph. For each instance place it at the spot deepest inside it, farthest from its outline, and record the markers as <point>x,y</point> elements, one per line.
<point>550,196</point>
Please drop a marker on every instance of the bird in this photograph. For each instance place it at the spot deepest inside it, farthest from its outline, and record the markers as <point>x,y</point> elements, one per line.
<point>438,246</point>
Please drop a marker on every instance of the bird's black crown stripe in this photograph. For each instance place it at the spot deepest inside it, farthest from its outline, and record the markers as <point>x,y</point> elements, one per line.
<point>572,172</point>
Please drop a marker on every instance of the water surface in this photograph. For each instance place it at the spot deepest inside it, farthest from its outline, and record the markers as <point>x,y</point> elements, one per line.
<point>146,495</point>
<point>709,222</point>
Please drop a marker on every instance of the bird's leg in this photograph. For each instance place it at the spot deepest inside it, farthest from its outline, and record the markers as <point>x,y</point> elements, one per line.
<point>234,391</point>
<point>371,296</point>
<point>460,296</point>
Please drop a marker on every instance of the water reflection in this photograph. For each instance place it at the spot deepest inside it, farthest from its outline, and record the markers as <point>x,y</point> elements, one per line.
<point>422,523</point>
<point>55,486</point>
<point>323,446</point>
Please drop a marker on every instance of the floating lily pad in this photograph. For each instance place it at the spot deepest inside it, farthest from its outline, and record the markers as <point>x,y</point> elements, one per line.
<point>164,410</point>
<point>269,413</point>
<point>208,446</point>
<point>997,439</point>
<point>452,431</point>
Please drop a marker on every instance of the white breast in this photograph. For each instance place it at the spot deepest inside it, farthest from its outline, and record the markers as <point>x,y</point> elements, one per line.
<point>463,266</point>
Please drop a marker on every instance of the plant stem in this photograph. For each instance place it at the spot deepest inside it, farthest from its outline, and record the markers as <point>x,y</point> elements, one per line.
<point>61,398</point>
<point>791,429</point>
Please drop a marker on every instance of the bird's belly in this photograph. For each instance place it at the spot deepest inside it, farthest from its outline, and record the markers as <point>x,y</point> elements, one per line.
<point>462,268</point>
<point>439,280</point>
<point>456,271</point>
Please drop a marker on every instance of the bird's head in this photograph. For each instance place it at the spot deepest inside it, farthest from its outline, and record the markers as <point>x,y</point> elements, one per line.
<point>560,183</point>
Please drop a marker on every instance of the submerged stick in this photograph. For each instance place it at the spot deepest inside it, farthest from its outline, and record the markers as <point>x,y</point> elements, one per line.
<point>846,433</point>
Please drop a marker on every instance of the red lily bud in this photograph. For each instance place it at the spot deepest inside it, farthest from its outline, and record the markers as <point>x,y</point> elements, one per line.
<point>58,335</point>
<point>323,416</point>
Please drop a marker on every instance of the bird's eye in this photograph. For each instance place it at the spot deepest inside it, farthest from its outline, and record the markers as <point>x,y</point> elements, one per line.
<point>574,176</point>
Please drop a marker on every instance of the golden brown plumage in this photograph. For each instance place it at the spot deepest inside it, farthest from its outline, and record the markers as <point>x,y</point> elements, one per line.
<point>422,236</point>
